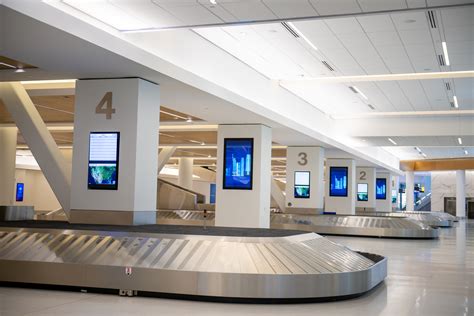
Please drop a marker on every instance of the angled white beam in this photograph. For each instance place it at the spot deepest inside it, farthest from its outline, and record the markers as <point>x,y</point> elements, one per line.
<point>37,136</point>
<point>277,195</point>
<point>164,156</point>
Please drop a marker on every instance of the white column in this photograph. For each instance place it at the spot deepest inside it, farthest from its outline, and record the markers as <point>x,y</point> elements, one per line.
<point>410,190</point>
<point>8,137</point>
<point>130,107</point>
<point>185,177</point>
<point>53,164</point>
<point>384,204</point>
<point>249,207</point>
<point>340,203</point>
<point>302,161</point>
<point>461,193</point>
<point>365,176</point>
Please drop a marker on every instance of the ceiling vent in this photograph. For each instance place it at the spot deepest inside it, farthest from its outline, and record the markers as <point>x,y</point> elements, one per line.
<point>371,106</point>
<point>441,60</point>
<point>325,63</point>
<point>290,29</point>
<point>448,86</point>
<point>432,19</point>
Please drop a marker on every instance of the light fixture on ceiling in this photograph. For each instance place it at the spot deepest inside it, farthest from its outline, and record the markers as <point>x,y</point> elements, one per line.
<point>460,140</point>
<point>357,90</point>
<point>302,36</point>
<point>445,52</point>
<point>189,120</point>
<point>213,1</point>
<point>203,144</point>
<point>455,100</point>
<point>19,70</point>
<point>424,155</point>
<point>465,152</point>
<point>392,141</point>
<point>418,149</point>
<point>7,65</point>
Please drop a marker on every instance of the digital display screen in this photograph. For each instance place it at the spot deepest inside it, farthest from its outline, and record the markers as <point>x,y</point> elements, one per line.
<point>238,163</point>
<point>212,193</point>
<point>338,181</point>
<point>381,189</point>
<point>103,160</point>
<point>362,192</point>
<point>302,184</point>
<point>20,191</point>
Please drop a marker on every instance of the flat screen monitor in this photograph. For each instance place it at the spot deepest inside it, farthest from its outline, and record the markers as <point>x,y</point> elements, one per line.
<point>362,192</point>
<point>20,191</point>
<point>381,189</point>
<point>394,196</point>
<point>302,179</point>
<point>212,195</point>
<point>238,163</point>
<point>338,181</point>
<point>103,160</point>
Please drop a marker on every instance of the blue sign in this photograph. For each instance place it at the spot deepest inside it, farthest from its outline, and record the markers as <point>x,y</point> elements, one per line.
<point>238,163</point>
<point>212,195</point>
<point>381,189</point>
<point>338,181</point>
<point>20,191</point>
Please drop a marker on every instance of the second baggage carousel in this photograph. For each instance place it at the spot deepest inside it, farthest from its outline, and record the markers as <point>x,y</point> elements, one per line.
<point>348,225</point>
<point>214,263</point>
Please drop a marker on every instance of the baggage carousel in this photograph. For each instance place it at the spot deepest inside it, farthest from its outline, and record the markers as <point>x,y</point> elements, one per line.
<point>214,263</point>
<point>433,219</point>
<point>369,226</point>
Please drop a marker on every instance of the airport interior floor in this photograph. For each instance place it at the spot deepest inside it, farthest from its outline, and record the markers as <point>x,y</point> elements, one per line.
<point>425,277</point>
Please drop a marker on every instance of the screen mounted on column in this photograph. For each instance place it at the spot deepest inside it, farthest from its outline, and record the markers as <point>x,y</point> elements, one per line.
<point>302,186</point>
<point>362,192</point>
<point>338,181</point>
<point>238,163</point>
<point>20,191</point>
<point>103,160</point>
<point>381,189</point>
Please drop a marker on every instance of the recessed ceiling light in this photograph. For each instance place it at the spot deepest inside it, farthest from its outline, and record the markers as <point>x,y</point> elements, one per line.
<point>455,100</point>
<point>20,70</point>
<point>189,120</point>
<point>459,140</point>
<point>465,152</point>
<point>392,141</point>
<point>356,90</point>
<point>213,1</point>
<point>423,154</point>
<point>445,52</point>
<point>203,144</point>
<point>302,36</point>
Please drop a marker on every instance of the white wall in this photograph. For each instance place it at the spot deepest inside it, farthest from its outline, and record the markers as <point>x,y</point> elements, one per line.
<point>443,184</point>
<point>37,192</point>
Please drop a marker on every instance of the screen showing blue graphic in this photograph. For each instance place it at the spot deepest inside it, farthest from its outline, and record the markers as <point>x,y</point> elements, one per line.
<point>338,181</point>
<point>20,191</point>
<point>238,163</point>
<point>381,189</point>
<point>212,195</point>
<point>302,184</point>
<point>103,160</point>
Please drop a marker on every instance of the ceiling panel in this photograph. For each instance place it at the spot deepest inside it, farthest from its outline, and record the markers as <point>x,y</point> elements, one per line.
<point>248,10</point>
<point>192,14</point>
<point>288,9</point>
<point>393,92</point>
<point>336,7</point>
<point>415,94</point>
<point>147,10</point>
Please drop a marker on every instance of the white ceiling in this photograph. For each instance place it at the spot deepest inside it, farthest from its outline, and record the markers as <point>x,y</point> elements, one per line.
<point>145,14</point>
<point>446,152</point>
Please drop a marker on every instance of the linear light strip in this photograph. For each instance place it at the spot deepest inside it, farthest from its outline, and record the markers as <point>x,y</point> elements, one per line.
<point>460,140</point>
<point>455,100</point>
<point>302,36</point>
<point>7,65</point>
<point>360,92</point>
<point>445,52</point>
<point>392,141</point>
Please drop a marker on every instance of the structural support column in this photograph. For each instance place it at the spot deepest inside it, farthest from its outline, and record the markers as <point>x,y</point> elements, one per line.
<point>53,164</point>
<point>461,193</point>
<point>8,137</point>
<point>410,190</point>
<point>243,176</point>
<point>304,180</point>
<point>340,186</point>
<point>185,177</point>
<point>114,178</point>
<point>365,186</point>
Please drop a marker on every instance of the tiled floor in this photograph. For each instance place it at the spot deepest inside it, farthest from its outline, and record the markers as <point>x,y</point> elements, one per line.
<point>425,277</point>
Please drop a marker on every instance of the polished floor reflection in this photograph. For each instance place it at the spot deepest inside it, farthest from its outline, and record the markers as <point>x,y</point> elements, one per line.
<point>425,277</point>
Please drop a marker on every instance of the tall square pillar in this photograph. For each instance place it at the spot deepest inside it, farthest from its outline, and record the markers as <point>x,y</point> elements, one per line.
<point>340,186</point>
<point>127,109</point>
<point>304,179</point>
<point>243,176</point>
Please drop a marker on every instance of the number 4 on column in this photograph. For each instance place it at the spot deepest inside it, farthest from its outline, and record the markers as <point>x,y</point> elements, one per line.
<point>105,106</point>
